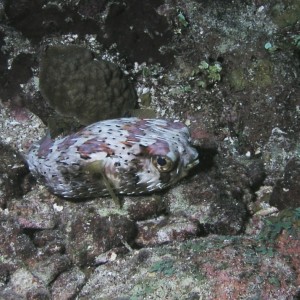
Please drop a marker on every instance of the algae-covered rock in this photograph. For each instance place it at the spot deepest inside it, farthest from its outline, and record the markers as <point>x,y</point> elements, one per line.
<point>257,74</point>
<point>285,13</point>
<point>75,84</point>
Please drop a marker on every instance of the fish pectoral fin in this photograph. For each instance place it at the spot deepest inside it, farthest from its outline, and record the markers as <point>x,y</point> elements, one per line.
<point>97,171</point>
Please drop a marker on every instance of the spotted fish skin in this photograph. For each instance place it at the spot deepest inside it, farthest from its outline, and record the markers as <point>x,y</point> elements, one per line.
<point>134,156</point>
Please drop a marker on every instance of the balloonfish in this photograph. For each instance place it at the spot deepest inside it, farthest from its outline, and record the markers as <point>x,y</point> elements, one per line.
<point>127,156</point>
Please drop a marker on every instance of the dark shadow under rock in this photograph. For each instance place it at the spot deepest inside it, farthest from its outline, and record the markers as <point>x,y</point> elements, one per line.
<point>139,31</point>
<point>19,73</point>
<point>12,173</point>
<point>286,193</point>
<point>49,18</point>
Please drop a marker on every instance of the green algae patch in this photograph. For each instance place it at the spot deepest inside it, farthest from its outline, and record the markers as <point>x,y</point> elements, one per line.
<point>165,267</point>
<point>288,220</point>
<point>165,281</point>
<point>206,74</point>
<point>257,75</point>
<point>285,14</point>
<point>238,79</point>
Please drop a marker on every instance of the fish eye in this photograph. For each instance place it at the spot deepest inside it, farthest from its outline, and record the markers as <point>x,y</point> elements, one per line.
<point>163,163</point>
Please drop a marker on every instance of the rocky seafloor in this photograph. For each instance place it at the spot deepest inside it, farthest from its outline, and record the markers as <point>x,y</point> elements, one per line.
<point>230,71</point>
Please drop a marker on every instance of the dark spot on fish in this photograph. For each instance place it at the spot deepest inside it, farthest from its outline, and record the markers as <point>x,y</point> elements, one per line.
<point>84,156</point>
<point>110,154</point>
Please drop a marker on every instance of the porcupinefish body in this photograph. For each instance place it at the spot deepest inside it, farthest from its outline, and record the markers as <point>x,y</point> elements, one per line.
<point>134,156</point>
